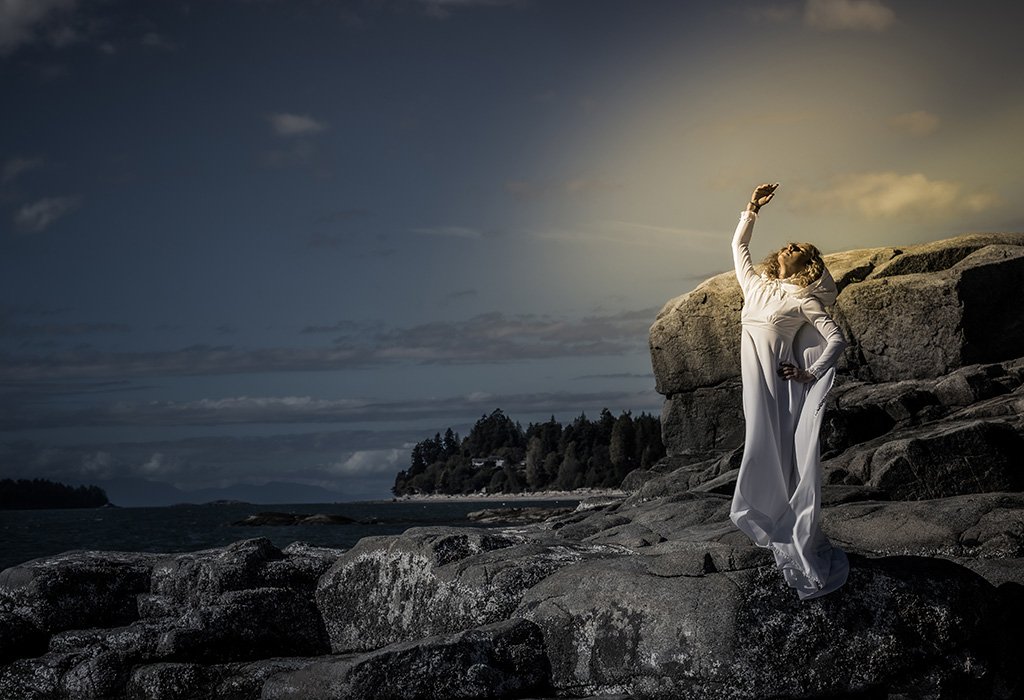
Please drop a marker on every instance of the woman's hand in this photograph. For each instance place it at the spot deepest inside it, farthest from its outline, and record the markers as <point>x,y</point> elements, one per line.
<point>791,371</point>
<point>761,195</point>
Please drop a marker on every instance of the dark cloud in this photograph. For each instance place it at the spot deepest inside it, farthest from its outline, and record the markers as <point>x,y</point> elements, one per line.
<point>23,23</point>
<point>347,327</point>
<point>17,166</point>
<point>617,375</point>
<point>37,216</point>
<point>27,329</point>
<point>24,321</point>
<point>485,339</point>
<point>460,294</point>
<point>325,459</point>
<point>304,409</point>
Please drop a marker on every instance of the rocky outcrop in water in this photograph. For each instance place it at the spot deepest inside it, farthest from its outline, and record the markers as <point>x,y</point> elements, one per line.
<point>650,595</point>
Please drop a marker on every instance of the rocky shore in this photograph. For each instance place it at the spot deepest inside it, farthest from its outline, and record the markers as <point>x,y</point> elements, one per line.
<point>651,593</point>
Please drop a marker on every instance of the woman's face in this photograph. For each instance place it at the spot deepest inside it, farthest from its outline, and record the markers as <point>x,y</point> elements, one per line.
<point>793,256</point>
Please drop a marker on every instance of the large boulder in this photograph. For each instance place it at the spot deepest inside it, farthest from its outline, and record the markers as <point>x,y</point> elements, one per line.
<point>921,312</point>
<point>77,590</point>
<point>247,625</point>
<point>659,627</point>
<point>192,681</point>
<point>987,525</point>
<point>502,659</point>
<point>941,459</point>
<point>926,323</point>
<point>434,580</point>
<point>694,341</point>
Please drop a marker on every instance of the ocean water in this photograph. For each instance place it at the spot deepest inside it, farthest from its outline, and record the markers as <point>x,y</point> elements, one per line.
<point>28,534</point>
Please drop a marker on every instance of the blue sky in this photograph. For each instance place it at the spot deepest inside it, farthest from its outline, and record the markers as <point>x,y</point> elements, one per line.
<point>263,241</point>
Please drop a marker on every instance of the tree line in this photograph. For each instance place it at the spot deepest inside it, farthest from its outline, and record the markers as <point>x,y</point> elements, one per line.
<point>546,455</point>
<point>30,494</point>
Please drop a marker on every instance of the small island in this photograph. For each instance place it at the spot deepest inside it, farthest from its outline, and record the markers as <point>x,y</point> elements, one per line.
<point>35,494</point>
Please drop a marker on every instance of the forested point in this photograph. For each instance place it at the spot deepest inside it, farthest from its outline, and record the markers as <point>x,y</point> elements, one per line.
<point>29,494</point>
<point>498,456</point>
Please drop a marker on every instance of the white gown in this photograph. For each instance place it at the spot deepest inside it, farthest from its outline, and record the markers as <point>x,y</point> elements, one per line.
<point>777,502</point>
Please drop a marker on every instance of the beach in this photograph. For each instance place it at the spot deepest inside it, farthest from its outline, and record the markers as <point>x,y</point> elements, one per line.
<point>576,495</point>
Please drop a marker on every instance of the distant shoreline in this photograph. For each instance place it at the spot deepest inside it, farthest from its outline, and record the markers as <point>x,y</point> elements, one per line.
<point>577,495</point>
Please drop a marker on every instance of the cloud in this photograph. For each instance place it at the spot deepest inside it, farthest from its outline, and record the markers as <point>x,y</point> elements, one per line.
<point>41,214</point>
<point>919,123</point>
<point>346,327</point>
<point>496,337</point>
<point>158,465</point>
<point>890,195</point>
<point>286,124</point>
<point>854,15</point>
<point>24,21</point>
<point>770,13</point>
<point>316,458</point>
<point>372,462</point>
<point>283,410</point>
<point>490,338</point>
<point>15,167</point>
<point>632,234</point>
<point>460,294</point>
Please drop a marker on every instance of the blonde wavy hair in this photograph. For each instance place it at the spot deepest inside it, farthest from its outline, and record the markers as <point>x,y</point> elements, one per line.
<point>812,270</point>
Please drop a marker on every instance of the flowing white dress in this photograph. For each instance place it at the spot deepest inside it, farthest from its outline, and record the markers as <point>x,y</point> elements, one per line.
<point>777,501</point>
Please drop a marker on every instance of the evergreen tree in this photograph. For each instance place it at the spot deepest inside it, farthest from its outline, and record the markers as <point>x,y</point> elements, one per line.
<point>623,446</point>
<point>569,472</point>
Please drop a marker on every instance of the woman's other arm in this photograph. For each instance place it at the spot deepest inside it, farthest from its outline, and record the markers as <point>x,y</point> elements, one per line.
<point>815,313</point>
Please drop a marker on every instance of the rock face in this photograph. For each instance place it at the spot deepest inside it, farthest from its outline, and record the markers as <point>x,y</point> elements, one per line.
<point>90,624</point>
<point>919,312</point>
<point>654,594</point>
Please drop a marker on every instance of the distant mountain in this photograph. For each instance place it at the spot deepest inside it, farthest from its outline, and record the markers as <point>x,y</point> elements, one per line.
<point>135,492</point>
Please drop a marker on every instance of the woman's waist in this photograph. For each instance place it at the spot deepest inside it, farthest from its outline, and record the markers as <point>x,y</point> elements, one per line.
<point>783,330</point>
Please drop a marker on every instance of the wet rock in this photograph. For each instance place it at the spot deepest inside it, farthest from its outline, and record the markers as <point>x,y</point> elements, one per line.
<point>39,678</point>
<point>941,459</point>
<point>503,659</point>
<point>189,681</point>
<point>20,634</point>
<point>77,590</point>
<point>199,578</point>
<point>288,519</point>
<point>434,581</point>
<point>516,515</point>
<point>247,625</point>
<point>656,629</point>
<point>987,525</point>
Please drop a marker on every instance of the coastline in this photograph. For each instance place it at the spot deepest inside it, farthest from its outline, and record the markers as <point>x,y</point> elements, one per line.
<point>577,495</point>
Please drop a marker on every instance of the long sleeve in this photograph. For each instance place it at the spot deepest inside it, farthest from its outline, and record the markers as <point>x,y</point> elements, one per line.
<point>745,273</point>
<point>815,313</point>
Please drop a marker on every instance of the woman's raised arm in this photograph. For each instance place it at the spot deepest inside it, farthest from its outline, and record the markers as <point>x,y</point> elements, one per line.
<point>745,273</point>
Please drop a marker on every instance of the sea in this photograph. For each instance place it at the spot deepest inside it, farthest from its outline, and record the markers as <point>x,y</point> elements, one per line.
<point>29,534</point>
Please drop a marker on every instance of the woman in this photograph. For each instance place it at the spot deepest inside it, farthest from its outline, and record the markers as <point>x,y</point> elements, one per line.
<point>788,351</point>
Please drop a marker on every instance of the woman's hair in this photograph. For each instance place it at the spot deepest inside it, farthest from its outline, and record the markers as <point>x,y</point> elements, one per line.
<point>812,270</point>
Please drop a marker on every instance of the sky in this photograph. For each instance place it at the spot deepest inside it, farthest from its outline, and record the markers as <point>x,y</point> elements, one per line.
<point>258,243</point>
